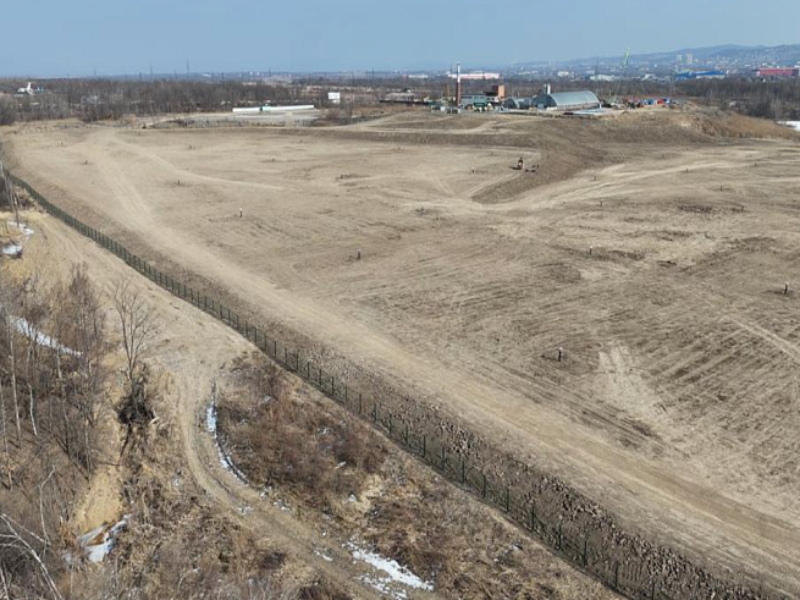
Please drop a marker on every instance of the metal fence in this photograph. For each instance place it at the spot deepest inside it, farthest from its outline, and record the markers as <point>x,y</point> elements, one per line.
<point>634,575</point>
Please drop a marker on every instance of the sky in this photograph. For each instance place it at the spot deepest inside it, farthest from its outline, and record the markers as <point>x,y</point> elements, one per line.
<point>81,37</point>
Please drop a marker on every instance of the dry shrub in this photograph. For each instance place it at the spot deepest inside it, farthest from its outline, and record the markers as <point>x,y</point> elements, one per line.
<point>321,591</point>
<point>412,531</point>
<point>275,437</point>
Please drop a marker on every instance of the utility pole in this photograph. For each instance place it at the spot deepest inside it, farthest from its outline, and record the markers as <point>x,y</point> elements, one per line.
<point>458,84</point>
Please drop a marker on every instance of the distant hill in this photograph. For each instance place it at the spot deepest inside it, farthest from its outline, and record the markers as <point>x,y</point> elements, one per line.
<point>726,56</point>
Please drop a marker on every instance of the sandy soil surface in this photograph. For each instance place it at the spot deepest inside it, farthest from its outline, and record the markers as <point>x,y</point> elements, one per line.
<point>189,374</point>
<point>653,252</point>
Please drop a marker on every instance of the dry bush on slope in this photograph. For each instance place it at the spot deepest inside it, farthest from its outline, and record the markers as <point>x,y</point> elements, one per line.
<point>52,384</point>
<point>279,440</point>
<point>399,508</point>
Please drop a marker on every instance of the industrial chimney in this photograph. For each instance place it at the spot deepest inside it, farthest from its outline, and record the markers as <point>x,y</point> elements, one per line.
<point>458,85</point>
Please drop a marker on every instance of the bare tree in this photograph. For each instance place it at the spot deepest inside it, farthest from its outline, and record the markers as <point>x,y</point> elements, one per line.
<point>15,537</point>
<point>138,323</point>
<point>9,191</point>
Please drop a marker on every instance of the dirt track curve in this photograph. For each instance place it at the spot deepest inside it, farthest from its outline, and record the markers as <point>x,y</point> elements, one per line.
<point>191,375</point>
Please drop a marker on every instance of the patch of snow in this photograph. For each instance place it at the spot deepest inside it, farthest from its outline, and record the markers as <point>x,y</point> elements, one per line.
<point>108,535</point>
<point>340,465</point>
<point>211,420</point>
<point>395,573</point>
<point>39,338</point>
<point>22,227</point>
<point>224,459</point>
<point>12,249</point>
<point>324,557</point>
<point>793,124</point>
<point>352,498</point>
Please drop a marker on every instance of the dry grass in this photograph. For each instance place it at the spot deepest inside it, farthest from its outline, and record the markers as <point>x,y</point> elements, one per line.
<point>389,502</point>
<point>279,441</point>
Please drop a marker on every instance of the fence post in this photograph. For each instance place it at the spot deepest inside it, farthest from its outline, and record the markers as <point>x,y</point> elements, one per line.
<point>375,413</point>
<point>560,535</point>
<point>533,516</point>
<point>444,458</point>
<point>345,393</point>
<point>424,446</point>
<point>616,575</point>
<point>653,589</point>
<point>463,470</point>
<point>360,404</point>
<point>484,485</point>
<point>391,424</point>
<point>407,435</point>
<point>585,552</point>
<point>333,387</point>
<point>508,499</point>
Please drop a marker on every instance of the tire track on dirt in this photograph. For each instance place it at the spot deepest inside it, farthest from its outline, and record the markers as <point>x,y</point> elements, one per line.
<point>691,513</point>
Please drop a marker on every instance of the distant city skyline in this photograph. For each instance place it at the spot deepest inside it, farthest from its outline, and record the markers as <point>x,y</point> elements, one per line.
<point>82,37</point>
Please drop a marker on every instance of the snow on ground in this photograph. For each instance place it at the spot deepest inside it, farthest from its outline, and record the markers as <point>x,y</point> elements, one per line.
<point>22,227</point>
<point>14,249</point>
<point>105,537</point>
<point>793,124</point>
<point>224,459</point>
<point>30,332</point>
<point>394,574</point>
<point>323,556</point>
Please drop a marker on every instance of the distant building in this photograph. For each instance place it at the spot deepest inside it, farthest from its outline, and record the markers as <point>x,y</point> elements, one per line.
<point>778,72</point>
<point>497,91</point>
<point>476,102</point>
<point>518,103</point>
<point>700,75</point>
<point>335,97</point>
<point>567,101</point>
<point>475,76</point>
<point>404,97</point>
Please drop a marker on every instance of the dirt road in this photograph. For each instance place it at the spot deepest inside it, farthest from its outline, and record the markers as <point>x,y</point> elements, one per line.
<point>668,323</point>
<point>189,387</point>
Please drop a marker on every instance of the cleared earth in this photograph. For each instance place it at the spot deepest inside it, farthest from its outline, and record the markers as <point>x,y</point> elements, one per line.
<point>653,248</point>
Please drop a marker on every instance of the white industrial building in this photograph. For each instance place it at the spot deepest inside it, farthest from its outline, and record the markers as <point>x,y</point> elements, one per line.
<point>564,101</point>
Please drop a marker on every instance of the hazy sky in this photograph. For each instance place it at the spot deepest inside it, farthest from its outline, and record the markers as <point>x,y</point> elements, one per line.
<point>75,37</point>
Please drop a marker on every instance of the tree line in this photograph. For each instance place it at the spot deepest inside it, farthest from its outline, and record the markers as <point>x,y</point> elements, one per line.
<point>100,99</point>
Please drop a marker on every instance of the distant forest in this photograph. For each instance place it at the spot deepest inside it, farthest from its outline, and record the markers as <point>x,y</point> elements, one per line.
<point>102,99</point>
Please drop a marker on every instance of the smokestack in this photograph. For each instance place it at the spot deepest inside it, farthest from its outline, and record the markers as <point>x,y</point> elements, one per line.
<point>547,89</point>
<point>458,85</point>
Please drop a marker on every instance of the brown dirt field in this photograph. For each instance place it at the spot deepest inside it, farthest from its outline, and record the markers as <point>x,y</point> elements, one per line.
<point>211,508</point>
<point>677,407</point>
